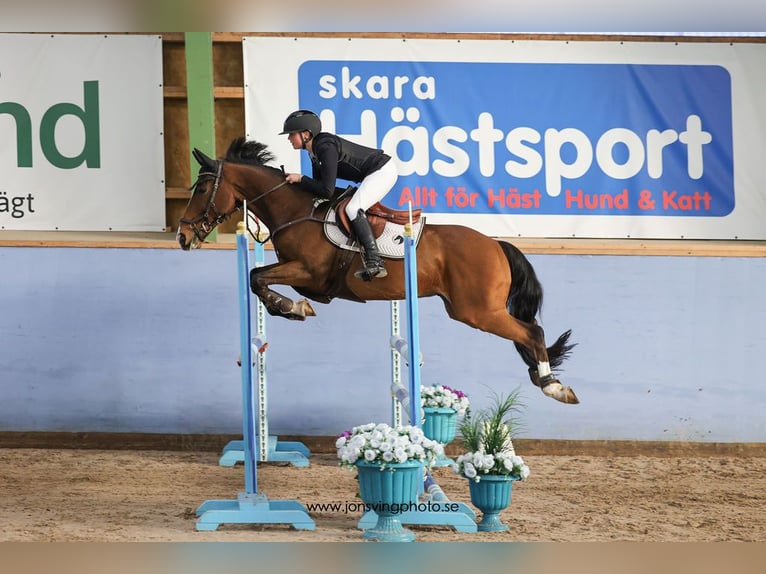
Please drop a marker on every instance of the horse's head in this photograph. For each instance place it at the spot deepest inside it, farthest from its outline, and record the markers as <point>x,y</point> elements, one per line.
<point>212,201</point>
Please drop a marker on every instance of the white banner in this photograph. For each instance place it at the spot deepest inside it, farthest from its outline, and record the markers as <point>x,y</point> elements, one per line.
<point>81,143</point>
<point>537,138</point>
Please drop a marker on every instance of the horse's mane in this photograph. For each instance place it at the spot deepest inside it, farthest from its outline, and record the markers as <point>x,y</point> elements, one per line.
<point>249,152</point>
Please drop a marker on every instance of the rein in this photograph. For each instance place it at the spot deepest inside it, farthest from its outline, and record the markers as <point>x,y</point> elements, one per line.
<point>273,232</point>
<point>309,217</point>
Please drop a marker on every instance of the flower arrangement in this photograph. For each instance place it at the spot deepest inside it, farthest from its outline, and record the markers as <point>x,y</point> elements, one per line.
<point>384,444</point>
<point>442,396</point>
<point>487,438</point>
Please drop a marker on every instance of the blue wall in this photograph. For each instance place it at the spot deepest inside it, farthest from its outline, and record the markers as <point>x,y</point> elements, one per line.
<point>145,340</point>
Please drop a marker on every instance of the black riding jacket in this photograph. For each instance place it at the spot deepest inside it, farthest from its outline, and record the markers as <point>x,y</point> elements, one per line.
<point>337,158</point>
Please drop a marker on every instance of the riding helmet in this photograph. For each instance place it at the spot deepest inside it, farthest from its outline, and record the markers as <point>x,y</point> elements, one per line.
<point>302,120</point>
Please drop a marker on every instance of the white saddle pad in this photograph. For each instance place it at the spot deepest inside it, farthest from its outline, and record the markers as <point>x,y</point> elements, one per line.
<point>390,242</point>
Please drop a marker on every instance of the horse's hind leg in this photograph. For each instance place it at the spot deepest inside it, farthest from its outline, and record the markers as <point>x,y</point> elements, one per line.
<point>540,372</point>
<point>529,336</point>
<point>542,376</point>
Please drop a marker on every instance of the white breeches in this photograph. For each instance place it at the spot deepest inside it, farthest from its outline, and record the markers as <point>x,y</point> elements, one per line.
<point>372,189</point>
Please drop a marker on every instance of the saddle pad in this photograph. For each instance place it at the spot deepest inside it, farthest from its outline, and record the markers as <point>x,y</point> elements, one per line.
<point>390,242</point>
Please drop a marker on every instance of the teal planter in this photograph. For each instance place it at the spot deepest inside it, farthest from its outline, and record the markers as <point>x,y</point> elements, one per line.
<point>440,424</point>
<point>388,493</point>
<point>491,495</point>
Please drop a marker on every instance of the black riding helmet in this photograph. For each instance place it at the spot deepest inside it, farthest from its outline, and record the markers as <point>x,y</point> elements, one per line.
<point>302,120</point>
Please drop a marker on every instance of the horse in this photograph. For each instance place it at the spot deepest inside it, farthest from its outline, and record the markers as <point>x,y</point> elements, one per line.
<point>485,283</point>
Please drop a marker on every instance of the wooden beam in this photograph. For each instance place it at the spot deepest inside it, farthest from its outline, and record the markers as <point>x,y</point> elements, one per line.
<point>219,92</point>
<point>200,99</point>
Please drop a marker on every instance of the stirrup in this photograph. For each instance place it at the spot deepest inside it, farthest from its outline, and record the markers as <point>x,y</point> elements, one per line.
<point>373,271</point>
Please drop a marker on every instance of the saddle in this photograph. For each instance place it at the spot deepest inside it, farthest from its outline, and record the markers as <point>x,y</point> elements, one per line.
<point>377,215</point>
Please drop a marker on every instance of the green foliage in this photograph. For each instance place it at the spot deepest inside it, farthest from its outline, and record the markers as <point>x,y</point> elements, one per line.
<point>490,430</point>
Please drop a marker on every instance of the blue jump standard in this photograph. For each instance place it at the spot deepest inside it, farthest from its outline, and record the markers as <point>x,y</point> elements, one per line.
<point>296,453</point>
<point>455,514</point>
<point>251,506</point>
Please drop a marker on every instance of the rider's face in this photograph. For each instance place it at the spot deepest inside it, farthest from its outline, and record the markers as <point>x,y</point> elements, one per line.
<point>296,139</point>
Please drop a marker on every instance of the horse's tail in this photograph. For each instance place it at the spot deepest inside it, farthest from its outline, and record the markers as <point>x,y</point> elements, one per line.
<point>525,301</point>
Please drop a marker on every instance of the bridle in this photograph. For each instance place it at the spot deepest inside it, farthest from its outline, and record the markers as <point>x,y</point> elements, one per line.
<point>205,224</point>
<point>202,225</point>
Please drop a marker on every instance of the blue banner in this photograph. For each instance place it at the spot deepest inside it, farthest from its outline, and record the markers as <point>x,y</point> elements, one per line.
<point>523,138</point>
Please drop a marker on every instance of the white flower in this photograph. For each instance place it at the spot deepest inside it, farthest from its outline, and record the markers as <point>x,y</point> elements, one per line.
<point>439,396</point>
<point>473,464</point>
<point>384,444</point>
<point>357,441</point>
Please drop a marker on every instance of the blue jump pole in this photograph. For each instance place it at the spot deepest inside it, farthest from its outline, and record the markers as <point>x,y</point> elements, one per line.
<point>413,322</point>
<point>251,506</point>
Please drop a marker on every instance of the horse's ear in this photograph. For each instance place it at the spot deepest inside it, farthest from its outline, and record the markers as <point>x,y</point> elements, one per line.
<point>202,159</point>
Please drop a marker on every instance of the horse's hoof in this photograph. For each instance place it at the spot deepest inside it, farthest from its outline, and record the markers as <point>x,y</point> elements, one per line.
<point>571,396</point>
<point>305,308</point>
<point>561,393</point>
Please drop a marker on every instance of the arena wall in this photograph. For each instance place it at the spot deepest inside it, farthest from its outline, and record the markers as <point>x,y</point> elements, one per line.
<point>144,340</point>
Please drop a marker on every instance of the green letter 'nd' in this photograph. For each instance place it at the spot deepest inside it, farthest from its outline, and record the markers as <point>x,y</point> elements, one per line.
<point>89,115</point>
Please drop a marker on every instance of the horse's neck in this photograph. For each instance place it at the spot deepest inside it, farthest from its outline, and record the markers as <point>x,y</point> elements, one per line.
<point>274,201</point>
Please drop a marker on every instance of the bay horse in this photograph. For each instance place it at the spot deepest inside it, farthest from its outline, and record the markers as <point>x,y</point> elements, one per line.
<point>485,283</point>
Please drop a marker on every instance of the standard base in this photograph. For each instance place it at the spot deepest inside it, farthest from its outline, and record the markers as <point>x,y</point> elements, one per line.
<point>462,520</point>
<point>253,509</point>
<point>296,453</point>
<point>443,460</point>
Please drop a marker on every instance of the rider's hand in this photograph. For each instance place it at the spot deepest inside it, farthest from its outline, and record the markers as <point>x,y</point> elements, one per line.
<point>293,177</point>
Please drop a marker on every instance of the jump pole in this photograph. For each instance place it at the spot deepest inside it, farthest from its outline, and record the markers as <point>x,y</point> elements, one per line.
<point>269,447</point>
<point>251,506</point>
<point>428,512</point>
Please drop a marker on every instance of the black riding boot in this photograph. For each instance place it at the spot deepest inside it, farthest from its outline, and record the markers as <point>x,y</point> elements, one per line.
<point>373,264</point>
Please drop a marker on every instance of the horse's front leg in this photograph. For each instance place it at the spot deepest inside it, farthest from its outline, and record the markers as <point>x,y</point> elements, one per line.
<point>293,274</point>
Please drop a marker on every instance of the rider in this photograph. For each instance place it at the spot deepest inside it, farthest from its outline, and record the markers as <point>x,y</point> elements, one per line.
<point>333,157</point>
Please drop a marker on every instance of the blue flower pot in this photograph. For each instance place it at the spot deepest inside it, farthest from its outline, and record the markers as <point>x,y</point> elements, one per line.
<point>491,495</point>
<point>388,493</point>
<point>440,424</point>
